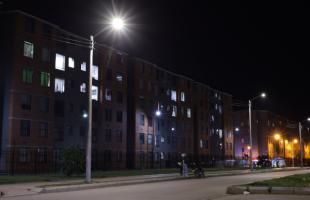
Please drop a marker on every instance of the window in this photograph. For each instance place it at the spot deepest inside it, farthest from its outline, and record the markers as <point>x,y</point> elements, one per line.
<point>95,72</point>
<point>83,66</point>
<point>44,104</point>
<point>119,136</point>
<point>43,129</point>
<point>119,116</point>
<point>109,74</point>
<point>149,139</point>
<point>141,138</point>
<point>174,111</point>
<point>201,143</point>
<point>183,96</point>
<point>42,155</point>
<point>119,78</point>
<point>26,101</point>
<point>119,97</point>
<point>27,76</point>
<point>173,95</point>
<point>108,135</point>
<point>162,139</point>
<point>119,156</point>
<point>29,25</point>
<point>59,108</point>
<point>60,62</point>
<point>24,155</point>
<point>25,128</point>
<point>189,113</point>
<point>46,55</point>
<point>108,115</point>
<point>83,88</point>
<point>141,119</point>
<point>71,62</point>
<point>108,94</point>
<point>94,93</point>
<point>45,79</point>
<point>59,85</point>
<point>28,49</point>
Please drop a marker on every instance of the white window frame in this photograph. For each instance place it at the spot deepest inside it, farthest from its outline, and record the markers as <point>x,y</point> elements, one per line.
<point>106,96</point>
<point>57,84</point>
<point>174,111</point>
<point>95,72</point>
<point>189,113</point>
<point>94,92</point>
<point>83,88</point>
<point>183,96</point>
<point>60,62</point>
<point>83,66</point>
<point>70,62</point>
<point>173,95</point>
<point>28,49</point>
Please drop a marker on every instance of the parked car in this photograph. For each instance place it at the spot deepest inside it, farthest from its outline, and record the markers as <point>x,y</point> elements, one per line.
<point>278,162</point>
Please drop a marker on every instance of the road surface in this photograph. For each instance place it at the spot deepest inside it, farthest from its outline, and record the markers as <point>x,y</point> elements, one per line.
<point>192,189</point>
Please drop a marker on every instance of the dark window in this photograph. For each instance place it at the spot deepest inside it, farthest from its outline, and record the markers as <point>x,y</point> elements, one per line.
<point>70,107</point>
<point>27,76</point>
<point>119,97</point>
<point>71,84</point>
<point>141,138</point>
<point>59,134</point>
<point>82,131</point>
<point>42,155</point>
<point>141,119</point>
<point>43,129</point>
<point>26,101</point>
<point>150,121</point>
<point>46,55</point>
<point>70,130</point>
<point>29,25</point>
<point>119,156</point>
<point>25,128</point>
<point>149,139</point>
<point>45,79</point>
<point>24,155</point>
<point>109,74</point>
<point>44,104</point>
<point>108,115</point>
<point>108,135</point>
<point>107,156</point>
<point>59,108</point>
<point>119,116</point>
<point>47,30</point>
<point>83,109</point>
<point>119,136</point>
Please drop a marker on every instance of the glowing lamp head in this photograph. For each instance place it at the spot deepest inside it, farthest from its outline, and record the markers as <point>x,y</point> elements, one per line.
<point>172,129</point>
<point>117,23</point>
<point>237,129</point>
<point>85,115</point>
<point>263,95</point>
<point>249,147</point>
<point>308,119</point>
<point>157,113</point>
<point>295,141</point>
<point>277,136</point>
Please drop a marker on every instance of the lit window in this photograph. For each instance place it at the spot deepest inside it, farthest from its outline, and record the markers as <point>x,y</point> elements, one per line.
<point>71,63</point>
<point>108,94</point>
<point>183,96</point>
<point>95,72</point>
<point>162,139</point>
<point>173,95</point>
<point>83,66</point>
<point>201,143</point>
<point>174,111</point>
<point>60,61</point>
<point>27,76</point>
<point>119,78</point>
<point>28,49</point>
<point>162,155</point>
<point>94,93</point>
<point>45,79</point>
<point>83,88</point>
<point>189,113</point>
<point>59,85</point>
<point>141,119</point>
<point>220,133</point>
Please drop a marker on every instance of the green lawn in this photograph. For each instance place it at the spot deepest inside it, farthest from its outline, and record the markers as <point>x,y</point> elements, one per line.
<point>7,179</point>
<point>300,180</point>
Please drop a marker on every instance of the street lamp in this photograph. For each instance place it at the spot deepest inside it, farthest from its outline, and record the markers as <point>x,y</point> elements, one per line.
<point>262,95</point>
<point>295,141</point>
<point>117,24</point>
<point>237,129</point>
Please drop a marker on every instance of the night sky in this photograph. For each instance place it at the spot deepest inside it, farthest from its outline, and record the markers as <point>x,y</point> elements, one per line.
<point>238,47</point>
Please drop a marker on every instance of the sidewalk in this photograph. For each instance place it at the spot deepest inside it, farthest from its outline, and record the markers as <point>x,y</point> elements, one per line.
<point>71,185</point>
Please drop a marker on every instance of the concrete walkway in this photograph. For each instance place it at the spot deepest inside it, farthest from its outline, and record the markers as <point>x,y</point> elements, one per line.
<point>71,185</point>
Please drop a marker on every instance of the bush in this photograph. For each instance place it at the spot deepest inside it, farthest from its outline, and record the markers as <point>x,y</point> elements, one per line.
<point>73,161</point>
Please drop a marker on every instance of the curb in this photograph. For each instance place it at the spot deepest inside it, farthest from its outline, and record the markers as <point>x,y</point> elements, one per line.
<point>268,190</point>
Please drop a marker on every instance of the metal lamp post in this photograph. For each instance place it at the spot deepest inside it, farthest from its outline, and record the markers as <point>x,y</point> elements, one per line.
<point>262,95</point>
<point>117,24</point>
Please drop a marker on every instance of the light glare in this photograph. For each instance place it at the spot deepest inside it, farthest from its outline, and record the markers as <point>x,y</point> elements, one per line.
<point>118,23</point>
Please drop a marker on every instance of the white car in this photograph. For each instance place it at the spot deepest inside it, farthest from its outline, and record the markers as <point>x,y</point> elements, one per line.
<point>278,162</point>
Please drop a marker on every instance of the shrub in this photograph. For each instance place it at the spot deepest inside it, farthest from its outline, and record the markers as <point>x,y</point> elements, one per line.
<point>73,161</point>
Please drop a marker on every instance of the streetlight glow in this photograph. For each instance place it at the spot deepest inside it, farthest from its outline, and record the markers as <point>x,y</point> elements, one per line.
<point>118,23</point>
<point>277,136</point>
<point>308,119</point>
<point>263,95</point>
<point>295,141</point>
<point>237,129</point>
<point>157,113</point>
<point>85,115</point>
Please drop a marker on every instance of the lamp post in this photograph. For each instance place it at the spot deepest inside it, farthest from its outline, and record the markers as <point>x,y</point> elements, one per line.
<point>293,142</point>
<point>117,25</point>
<point>301,141</point>
<point>262,95</point>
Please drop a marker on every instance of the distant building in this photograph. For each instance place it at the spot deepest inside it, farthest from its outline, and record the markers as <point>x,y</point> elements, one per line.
<point>43,105</point>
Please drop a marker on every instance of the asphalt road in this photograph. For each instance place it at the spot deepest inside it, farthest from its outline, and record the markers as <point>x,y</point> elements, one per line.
<point>193,189</point>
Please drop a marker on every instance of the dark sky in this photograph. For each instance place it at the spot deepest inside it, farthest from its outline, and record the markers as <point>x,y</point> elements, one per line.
<point>238,47</point>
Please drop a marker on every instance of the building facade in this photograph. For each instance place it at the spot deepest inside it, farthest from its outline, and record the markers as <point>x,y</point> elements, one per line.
<point>44,82</point>
<point>272,135</point>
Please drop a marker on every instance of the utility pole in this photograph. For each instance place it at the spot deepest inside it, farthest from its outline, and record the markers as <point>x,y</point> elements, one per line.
<point>301,145</point>
<point>250,131</point>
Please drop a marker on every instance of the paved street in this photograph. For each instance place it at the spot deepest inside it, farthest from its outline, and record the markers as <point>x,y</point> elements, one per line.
<point>195,189</point>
